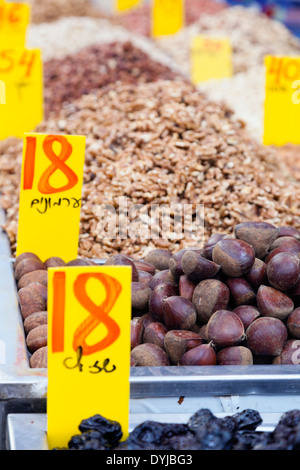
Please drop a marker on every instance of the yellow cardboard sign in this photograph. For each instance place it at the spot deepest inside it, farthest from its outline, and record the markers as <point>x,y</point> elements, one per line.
<point>89,312</point>
<point>22,72</point>
<point>125,5</point>
<point>211,58</point>
<point>167,17</point>
<point>282,104</point>
<point>14,19</point>
<point>50,195</point>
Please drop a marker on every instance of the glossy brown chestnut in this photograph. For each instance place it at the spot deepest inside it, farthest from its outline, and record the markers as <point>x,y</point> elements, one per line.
<point>285,241</point>
<point>247,314</point>
<point>155,333</point>
<point>161,278</point>
<point>273,303</point>
<point>241,292</point>
<point>266,336</point>
<point>136,331</point>
<point>179,313</point>
<point>177,342</point>
<point>235,257</point>
<point>209,296</point>
<point>225,329</point>
<point>145,277</point>
<point>260,235</point>
<point>291,248</point>
<point>283,271</point>
<point>293,323</point>
<point>235,356</point>
<point>186,287</point>
<point>149,355</point>
<point>142,265</point>
<point>140,295</point>
<point>294,294</point>
<point>159,258</point>
<point>290,354</point>
<point>203,355</point>
<point>122,260</point>
<point>288,231</point>
<point>211,242</point>
<point>161,292</point>
<point>257,274</point>
<point>198,268</point>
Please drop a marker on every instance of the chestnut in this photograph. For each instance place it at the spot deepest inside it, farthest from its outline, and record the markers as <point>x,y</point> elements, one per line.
<point>147,318</point>
<point>290,353</point>
<point>198,268</point>
<point>122,260</point>
<point>283,271</point>
<point>140,295</point>
<point>211,242</point>
<point>260,235</point>
<point>235,257</point>
<point>257,274</point>
<point>240,290</point>
<point>209,296</point>
<point>273,303</point>
<point>155,334</point>
<point>159,258</point>
<point>288,231</point>
<point>203,355</point>
<point>294,293</point>
<point>247,313</point>
<point>175,264</point>
<point>293,323</point>
<point>54,262</point>
<point>186,287</point>
<point>177,342</point>
<point>285,241</point>
<point>235,355</point>
<point>136,331</point>
<point>157,297</point>
<point>179,313</point>
<point>142,265</point>
<point>291,248</point>
<point>225,329</point>
<point>266,336</point>
<point>161,278</point>
<point>149,355</point>
<point>144,277</point>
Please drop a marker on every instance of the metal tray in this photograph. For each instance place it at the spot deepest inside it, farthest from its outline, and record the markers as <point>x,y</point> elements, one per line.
<point>18,380</point>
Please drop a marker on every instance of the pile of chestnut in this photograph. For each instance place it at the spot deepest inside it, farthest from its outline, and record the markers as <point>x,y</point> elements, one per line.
<point>235,301</point>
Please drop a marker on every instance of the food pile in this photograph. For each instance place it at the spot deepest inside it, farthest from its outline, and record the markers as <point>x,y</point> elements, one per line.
<point>161,143</point>
<point>44,12</point>
<point>203,431</point>
<point>233,301</point>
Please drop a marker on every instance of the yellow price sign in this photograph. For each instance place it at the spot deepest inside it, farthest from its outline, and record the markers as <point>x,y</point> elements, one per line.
<point>281,108</point>
<point>22,72</point>
<point>125,5</point>
<point>50,195</point>
<point>89,312</point>
<point>167,17</point>
<point>211,58</point>
<point>14,20</point>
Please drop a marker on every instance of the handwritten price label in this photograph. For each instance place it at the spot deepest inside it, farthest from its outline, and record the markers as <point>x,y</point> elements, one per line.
<point>22,72</point>
<point>89,312</point>
<point>14,19</point>
<point>281,109</point>
<point>125,5</point>
<point>167,17</point>
<point>211,58</point>
<point>50,195</point>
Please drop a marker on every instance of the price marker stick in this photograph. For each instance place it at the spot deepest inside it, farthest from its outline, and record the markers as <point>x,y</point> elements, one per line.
<point>167,17</point>
<point>122,6</point>
<point>22,72</point>
<point>211,58</point>
<point>50,195</point>
<point>282,104</point>
<point>14,20</point>
<point>89,310</point>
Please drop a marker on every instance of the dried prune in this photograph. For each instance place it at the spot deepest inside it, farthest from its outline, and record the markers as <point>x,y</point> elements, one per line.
<point>210,431</point>
<point>245,420</point>
<point>89,440</point>
<point>153,435</point>
<point>247,440</point>
<point>110,431</point>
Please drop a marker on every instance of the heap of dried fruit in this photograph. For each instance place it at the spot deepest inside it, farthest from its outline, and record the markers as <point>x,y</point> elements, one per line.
<point>203,431</point>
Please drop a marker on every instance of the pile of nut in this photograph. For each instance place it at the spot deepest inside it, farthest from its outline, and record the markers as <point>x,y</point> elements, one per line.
<point>253,35</point>
<point>233,301</point>
<point>43,11</point>
<point>157,144</point>
<point>94,67</point>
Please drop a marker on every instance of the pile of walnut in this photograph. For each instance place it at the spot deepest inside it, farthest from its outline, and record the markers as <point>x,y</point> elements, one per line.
<point>235,301</point>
